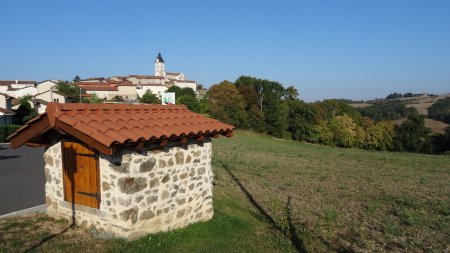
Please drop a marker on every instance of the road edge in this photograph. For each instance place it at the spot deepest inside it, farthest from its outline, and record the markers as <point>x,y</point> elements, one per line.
<point>37,209</point>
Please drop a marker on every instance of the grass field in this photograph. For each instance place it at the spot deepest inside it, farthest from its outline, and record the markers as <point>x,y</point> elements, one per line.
<point>274,195</point>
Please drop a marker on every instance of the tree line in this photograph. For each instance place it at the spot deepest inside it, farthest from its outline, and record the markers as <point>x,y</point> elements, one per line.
<point>266,106</point>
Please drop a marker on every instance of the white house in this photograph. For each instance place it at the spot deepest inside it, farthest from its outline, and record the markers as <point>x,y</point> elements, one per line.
<point>186,84</point>
<point>142,80</point>
<point>105,92</point>
<point>5,101</point>
<point>20,92</point>
<point>46,85</point>
<point>125,89</point>
<point>15,84</point>
<point>51,96</point>
<point>156,89</point>
<point>6,116</point>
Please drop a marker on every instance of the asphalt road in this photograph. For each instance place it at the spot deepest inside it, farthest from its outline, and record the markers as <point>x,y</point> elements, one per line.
<point>22,178</point>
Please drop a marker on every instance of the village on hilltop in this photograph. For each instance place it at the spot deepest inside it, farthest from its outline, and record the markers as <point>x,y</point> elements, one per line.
<point>126,88</point>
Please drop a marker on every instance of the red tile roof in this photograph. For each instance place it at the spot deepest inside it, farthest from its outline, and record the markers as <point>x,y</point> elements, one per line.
<point>98,87</point>
<point>173,73</point>
<point>184,81</point>
<point>146,77</point>
<point>8,82</point>
<point>125,83</point>
<point>104,126</point>
<point>6,111</point>
<point>91,83</point>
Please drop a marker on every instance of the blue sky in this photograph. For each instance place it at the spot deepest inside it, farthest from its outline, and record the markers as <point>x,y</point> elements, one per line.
<point>326,49</point>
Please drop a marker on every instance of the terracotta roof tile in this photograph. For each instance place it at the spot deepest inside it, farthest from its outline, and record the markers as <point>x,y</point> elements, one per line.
<point>110,124</point>
<point>6,111</point>
<point>8,82</point>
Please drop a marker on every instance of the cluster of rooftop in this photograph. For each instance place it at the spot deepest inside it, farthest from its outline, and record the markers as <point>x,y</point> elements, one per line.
<point>128,88</point>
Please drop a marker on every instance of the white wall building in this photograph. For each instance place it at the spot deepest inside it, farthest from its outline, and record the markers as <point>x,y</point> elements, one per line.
<point>6,117</point>
<point>46,85</point>
<point>104,92</point>
<point>15,84</point>
<point>156,89</point>
<point>51,96</point>
<point>20,92</point>
<point>142,80</point>
<point>186,84</point>
<point>5,101</point>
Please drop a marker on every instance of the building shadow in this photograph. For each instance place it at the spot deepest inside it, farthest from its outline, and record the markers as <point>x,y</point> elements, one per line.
<point>48,238</point>
<point>70,174</point>
<point>4,157</point>
<point>291,233</point>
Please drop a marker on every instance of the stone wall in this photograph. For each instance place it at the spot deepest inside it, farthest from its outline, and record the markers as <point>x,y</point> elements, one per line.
<point>141,192</point>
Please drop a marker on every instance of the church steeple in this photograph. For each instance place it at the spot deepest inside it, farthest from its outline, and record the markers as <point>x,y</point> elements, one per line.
<point>159,66</point>
<point>159,58</point>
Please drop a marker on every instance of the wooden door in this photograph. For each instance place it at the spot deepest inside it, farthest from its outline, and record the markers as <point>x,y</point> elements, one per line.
<point>81,175</point>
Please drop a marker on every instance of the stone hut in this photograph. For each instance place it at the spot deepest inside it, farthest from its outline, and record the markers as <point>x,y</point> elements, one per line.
<point>127,169</point>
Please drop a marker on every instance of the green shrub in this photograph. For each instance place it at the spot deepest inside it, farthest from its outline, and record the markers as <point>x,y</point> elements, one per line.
<point>440,110</point>
<point>6,131</point>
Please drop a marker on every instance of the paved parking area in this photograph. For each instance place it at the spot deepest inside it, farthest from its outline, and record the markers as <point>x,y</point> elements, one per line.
<point>22,178</point>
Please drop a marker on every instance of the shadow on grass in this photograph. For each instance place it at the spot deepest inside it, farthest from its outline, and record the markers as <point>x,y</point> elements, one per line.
<point>48,238</point>
<point>291,234</point>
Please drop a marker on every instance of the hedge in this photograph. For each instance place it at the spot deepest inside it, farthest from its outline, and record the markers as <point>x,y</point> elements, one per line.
<point>6,131</point>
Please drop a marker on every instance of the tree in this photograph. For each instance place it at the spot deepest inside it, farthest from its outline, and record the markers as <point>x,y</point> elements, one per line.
<point>94,99</point>
<point>413,136</point>
<point>117,99</point>
<point>344,130</point>
<point>321,134</point>
<point>376,136</point>
<point>329,108</point>
<point>226,104</point>
<point>181,91</point>
<point>389,110</point>
<point>25,112</point>
<point>149,98</point>
<point>440,110</point>
<point>203,105</point>
<point>291,93</point>
<point>441,142</point>
<point>69,90</point>
<point>394,95</point>
<point>76,79</point>
<point>190,101</point>
<point>300,119</point>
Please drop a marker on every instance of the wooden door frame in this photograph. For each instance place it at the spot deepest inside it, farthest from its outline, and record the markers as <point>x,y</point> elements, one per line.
<point>97,165</point>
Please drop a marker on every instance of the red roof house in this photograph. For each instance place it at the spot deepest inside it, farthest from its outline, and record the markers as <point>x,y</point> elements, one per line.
<point>128,169</point>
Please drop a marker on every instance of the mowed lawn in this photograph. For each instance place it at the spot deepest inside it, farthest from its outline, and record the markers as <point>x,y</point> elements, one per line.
<point>273,195</point>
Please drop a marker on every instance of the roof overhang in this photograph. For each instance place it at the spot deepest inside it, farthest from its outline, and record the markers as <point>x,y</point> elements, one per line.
<point>178,123</point>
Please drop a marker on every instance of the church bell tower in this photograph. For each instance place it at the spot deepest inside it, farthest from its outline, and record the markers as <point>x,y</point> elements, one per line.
<point>159,66</point>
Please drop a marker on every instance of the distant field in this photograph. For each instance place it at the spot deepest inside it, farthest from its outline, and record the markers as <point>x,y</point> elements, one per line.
<point>273,195</point>
<point>421,104</point>
<point>435,125</point>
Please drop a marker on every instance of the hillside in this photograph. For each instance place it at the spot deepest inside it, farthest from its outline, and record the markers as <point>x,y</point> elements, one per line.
<point>421,104</point>
<point>273,195</point>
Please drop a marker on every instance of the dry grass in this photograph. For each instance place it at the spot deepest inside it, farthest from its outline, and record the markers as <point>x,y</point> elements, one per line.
<point>346,199</point>
<point>435,125</point>
<point>43,234</point>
